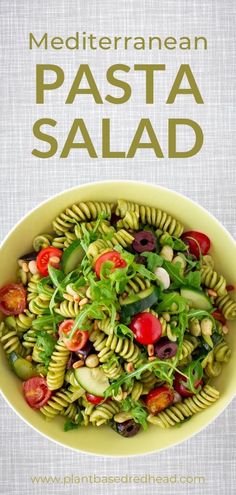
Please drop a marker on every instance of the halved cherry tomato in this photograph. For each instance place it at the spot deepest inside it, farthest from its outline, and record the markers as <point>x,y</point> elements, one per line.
<point>94,399</point>
<point>198,243</point>
<point>12,299</point>
<point>112,256</point>
<point>181,388</point>
<point>79,338</point>
<point>147,328</point>
<point>159,398</point>
<point>219,316</point>
<point>36,392</point>
<point>45,258</point>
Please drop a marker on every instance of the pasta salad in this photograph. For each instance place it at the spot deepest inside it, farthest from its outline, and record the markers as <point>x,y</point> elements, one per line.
<point>118,317</point>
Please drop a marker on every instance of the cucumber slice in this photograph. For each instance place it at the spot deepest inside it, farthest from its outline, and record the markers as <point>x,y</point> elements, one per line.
<point>93,380</point>
<point>136,303</point>
<point>196,298</point>
<point>23,369</point>
<point>72,256</point>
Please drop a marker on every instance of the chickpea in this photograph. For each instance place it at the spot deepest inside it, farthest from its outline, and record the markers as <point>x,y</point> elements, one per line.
<point>92,361</point>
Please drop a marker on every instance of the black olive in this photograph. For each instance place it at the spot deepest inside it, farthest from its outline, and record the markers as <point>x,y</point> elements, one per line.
<point>144,241</point>
<point>85,351</point>
<point>29,256</point>
<point>127,429</point>
<point>165,349</point>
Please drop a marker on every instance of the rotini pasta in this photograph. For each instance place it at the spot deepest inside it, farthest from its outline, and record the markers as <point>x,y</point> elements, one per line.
<point>212,280</point>
<point>151,216</point>
<point>182,410</point>
<point>57,366</point>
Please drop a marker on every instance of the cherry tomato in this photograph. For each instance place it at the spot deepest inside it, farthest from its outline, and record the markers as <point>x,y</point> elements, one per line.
<point>45,257</point>
<point>219,316</point>
<point>112,256</point>
<point>12,299</point>
<point>79,338</point>
<point>36,392</point>
<point>230,288</point>
<point>159,398</point>
<point>180,387</point>
<point>94,399</point>
<point>147,328</point>
<point>197,242</point>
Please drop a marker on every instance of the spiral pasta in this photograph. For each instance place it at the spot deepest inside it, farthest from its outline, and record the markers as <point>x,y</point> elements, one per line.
<point>68,309</point>
<point>99,340</point>
<point>222,352</point>
<point>21,322</point>
<point>151,216</point>
<point>57,366</point>
<point>212,280</point>
<point>227,305</point>
<point>129,221</point>
<point>42,241</point>
<point>124,347</point>
<point>32,288</point>
<point>57,404</point>
<point>112,371</point>
<point>136,284</point>
<point>79,213</point>
<point>104,413</point>
<point>10,340</point>
<point>181,410</point>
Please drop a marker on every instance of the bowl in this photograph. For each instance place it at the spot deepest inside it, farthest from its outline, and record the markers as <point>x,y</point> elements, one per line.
<point>104,441</point>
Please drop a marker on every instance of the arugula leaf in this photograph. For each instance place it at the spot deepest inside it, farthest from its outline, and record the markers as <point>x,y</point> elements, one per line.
<point>174,242</point>
<point>199,313</point>
<point>144,271</point>
<point>175,272</point>
<point>46,342</point>
<point>193,279</point>
<point>159,367</point>
<point>56,276</point>
<point>46,321</point>
<point>153,260</point>
<point>194,372</point>
<point>70,425</point>
<point>137,410</point>
<point>173,302</point>
<point>92,311</point>
<point>122,330</point>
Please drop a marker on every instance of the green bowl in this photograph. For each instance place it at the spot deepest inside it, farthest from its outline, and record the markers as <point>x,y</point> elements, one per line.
<point>104,441</point>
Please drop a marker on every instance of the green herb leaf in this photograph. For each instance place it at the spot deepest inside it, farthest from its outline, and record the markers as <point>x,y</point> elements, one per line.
<point>175,272</point>
<point>172,302</point>
<point>47,343</point>
<point>56,276</point>
<point>157,366</point>
<point>137,410</point>
<point>153,260</point>
<point>142,270</point>
<point>47,321</point>
<point>123,331</point>
<point>193,279</point>
<point>70,425</point>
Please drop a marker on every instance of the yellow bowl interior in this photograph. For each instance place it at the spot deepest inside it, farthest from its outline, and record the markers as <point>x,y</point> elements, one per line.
<point>104,441</point>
